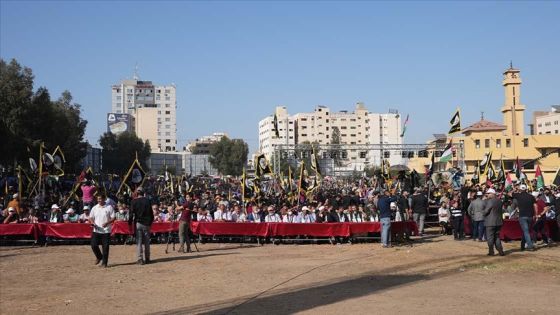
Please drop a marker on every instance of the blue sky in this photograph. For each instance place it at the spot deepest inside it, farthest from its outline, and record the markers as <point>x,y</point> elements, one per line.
<point>233,62</point>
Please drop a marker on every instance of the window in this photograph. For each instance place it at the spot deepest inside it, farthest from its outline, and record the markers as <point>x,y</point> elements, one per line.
<point>167,133</point>
<point>477,144</point>
<point>119,98</point>
<point>498,143</point>
<point>508,143</point>
<point>167,105</point>
<point>526,142</point>
<point>167,98</point>
<point>167,112</point>
<point>167,119</point>
<point>486,143</point>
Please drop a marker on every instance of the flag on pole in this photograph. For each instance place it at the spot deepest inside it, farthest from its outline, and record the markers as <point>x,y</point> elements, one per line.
<point>455,123</point>
<point>302,184</point>
<point>486,161</point>
<point>518,170</point>
<point>246,189</point>
<point>430,170</point>
<point>261,166</point>
<point>385,169</point>
<point>502,172</point>
<point>476,176</point>
<point>134,177</point>
<point>556,180</point>
<point>404,126</point>
<point>315,163</point>
<point>539,177</point>
<point>508,183</point>
<point>59,160</point>
<point>447,154</point>
<point>491,173</point>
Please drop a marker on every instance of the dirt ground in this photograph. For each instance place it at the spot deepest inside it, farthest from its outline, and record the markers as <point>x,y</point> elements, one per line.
<point>436,275</point>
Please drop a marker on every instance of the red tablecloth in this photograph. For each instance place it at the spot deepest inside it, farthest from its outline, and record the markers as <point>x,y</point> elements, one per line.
<point>82,230</point>
<point>310,229</point>
<point>65,230</point>
<point>17,229</point>
<point>224,228</point>
<point>511,230</point>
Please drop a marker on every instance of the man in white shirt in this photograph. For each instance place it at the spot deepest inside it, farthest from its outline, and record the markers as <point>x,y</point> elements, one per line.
<point>305,216</point>
<point>101,217</point>
<point>272,216</point>
<point>219,213</point>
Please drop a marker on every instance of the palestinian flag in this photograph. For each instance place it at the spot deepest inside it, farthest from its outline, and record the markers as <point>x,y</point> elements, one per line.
<point>447,154</point>
<point>539,177</point>
<point>261,166</point>
<point>404,126</point>
<point>508,184</point>
<point>315,163</point>
<point>455,123</point>
<point>486,161</point>
<point>276,130</point>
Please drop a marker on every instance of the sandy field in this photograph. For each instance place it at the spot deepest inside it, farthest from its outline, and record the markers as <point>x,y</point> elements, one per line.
<point>434,276</point>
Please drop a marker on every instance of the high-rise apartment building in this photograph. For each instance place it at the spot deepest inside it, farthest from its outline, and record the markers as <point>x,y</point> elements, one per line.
<point>359,127</point>
<point>154,109</point>
<point>546,123</point>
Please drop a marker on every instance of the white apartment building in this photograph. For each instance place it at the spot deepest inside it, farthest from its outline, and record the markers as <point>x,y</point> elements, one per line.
<point>359,127</point>
<point>547,123</point>
<point>146,102</point>
<point>267,134</point>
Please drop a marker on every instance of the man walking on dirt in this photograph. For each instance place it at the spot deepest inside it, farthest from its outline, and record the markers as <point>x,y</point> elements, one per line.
<point>493,222</point>
<point>141,214</point>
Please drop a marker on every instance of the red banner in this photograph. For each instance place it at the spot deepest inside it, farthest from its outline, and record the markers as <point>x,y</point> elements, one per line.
<point>224,228</point>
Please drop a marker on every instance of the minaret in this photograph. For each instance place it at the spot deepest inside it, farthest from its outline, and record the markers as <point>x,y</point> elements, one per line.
<point>513,110</point>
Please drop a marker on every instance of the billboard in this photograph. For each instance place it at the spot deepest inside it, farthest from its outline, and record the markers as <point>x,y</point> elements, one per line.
<point>119,123</point>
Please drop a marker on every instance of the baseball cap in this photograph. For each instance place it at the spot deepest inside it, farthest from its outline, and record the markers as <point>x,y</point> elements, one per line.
<point>523,187</point>
<point>305,208</point>
<point>491,191</point>
<point>479,193</point>
<point>86,207</point>
<point>535,194</point>
<point>69,211</point>
<point>11,209</point>
<point>55,206</point>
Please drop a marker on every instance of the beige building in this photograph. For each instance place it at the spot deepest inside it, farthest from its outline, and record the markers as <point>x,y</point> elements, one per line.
<point>546,123</point>
<point>359,127</point>
<point>202,145</point>
<point>146,125</point>
<point>129,96</point>
<point>506,140</point>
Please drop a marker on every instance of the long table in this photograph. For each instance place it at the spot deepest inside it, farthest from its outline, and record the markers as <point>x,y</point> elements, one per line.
<point>82,230</point>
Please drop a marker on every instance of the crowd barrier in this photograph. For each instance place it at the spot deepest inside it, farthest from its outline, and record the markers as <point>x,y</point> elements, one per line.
<point>82,230</point>
<point>511,230</point>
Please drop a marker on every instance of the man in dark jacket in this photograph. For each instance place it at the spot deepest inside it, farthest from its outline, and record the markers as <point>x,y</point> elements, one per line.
<point>493,222</point>
<point>141,214</point>
<point>419,205</point>
<point>384,205</point>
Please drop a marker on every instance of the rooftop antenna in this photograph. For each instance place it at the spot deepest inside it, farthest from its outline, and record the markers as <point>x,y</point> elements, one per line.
<point>481,115</point>
<point>135,77</point>
<point>511,64</point>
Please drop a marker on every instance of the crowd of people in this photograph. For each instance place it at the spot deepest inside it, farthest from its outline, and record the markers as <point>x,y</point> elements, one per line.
<point>484,206</point>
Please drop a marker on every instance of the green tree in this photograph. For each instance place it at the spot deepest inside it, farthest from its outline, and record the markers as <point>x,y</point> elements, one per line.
<point>30,118</point>
<point>229,156</point>
<point>120,151</point>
